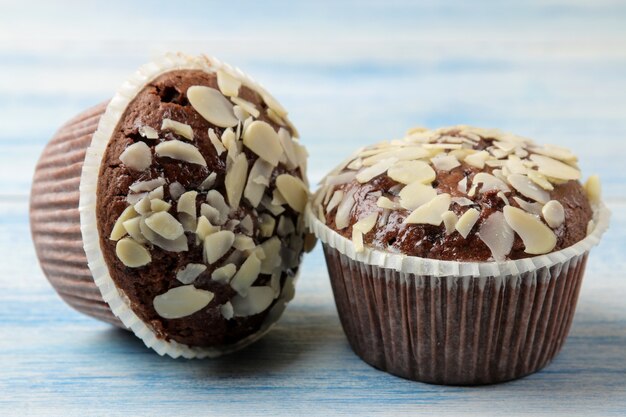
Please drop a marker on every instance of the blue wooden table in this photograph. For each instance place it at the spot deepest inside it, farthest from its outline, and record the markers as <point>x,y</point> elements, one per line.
<point>350,74</point>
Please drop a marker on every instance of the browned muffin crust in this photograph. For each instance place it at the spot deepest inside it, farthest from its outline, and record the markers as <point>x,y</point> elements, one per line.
<point>429,241</point>
<point>165,97</point>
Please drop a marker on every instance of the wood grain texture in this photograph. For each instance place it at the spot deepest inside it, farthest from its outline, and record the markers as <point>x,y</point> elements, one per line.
<point>350,73</point>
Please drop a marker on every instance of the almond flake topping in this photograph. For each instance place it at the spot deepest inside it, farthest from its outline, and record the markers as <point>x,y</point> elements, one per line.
<point>247,106</point>
<point>497,235</point>
<point>407,172</point>
<point>217,143</point>
<point>165,225</point>
<point>228,85</point>
<point>553,213</point>
<point>366,224</point>
<point>593,189</point>
<point>212,105</point>
<point>449,221</point>
<point>181,151</point>
<point>528,188</point>
<point>148,132</point>
<point>537,237</point>
<point>294,191</point>
<point>181,302</point>
<point>190,272</point>
<point>118,230</point>
<point>137,156</point>
<point>375,170</point>
<point>131,253</point>
<point>415,194</point>
<point>236,179</point>
<point>258,299</point>
<point>431,212</point>
<point>247,274</point>
<point>467,221</point>
<point>555,169</point>
<point>224,273</point>
<point>181,129</point>
<point>261,138</point>
<point>217,244</point>
<point>445,162</point>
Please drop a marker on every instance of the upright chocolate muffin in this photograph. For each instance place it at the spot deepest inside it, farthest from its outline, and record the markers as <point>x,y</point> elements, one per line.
<point>456,254</point>
<point>191,199</point>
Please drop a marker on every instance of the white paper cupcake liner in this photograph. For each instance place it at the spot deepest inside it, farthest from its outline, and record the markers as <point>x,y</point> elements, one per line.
<point>113,296</point>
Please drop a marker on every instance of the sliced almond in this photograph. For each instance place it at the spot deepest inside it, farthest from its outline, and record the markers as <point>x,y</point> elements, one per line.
<point>288,147</point>
<point>528,188</point>
<point>187,203</point>
<point>408,153</point>
<point>176,190</point>
<point>532,208</point>
<point>118,230</point>
<point>208,182</point>
<point>131,253</point>
<point>335,200</point>
<point>258,180</point>
<point>247,106</point>
<point>246,275</point>
<point>181,151</point>
<point>227,310</point>
<point>445,162</point>
<point>342,216</point>
<point>431,212</point>
<point>497,235</point>
<point>157,193</point>
<point>228,84</point>
<point>205,228</point>
<point>181,302</point>
<point>539,179</point>
<point>177,245</point>
<point>246,225</point>
<point>366,224</point>
<point>593,188</point>
<point>386,203</point>
<point>261,138</point>
<point>467,221</point>
<point>157,205</point>
<point>217,244</point>
<point>295,192</point>
<point>274,117</point>
<point>489,183</point>
<point>357,240</point>
<point>449,221</point>
<point>537,237</point>
<point>477,159</point>
<point>190,272</point>
<point>555,152</point>
<point>285,226</point>
<point>181,129</point>
<point>236,179</point>
<point>212,105</point>
<point>137,156</point>
<point>462,201</point>
<point>407,172</point>
<point>243,243</point>
<point>216,200</point>
<point>148,132</point>
<point>217,143</point>
<point>415,194</point>
<point>553,213</point>
<point>165,225</point>
<point>224,273</point>
<point>375,170</point>
<point>257,301</point>
<point>462,185</point>
<point>143,206</point>
<point>266,225</point>
<point>133,229</point>
<point>554,168</point>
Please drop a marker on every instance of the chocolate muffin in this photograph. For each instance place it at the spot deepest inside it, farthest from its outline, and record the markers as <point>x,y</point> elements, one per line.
<point>191,207</point>
<point>456,254</point>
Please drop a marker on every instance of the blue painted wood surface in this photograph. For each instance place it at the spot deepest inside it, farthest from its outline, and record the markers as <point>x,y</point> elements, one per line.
<point>350,73</point>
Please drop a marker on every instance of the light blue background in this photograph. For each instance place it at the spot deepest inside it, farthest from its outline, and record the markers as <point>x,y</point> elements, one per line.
<point>350,73</point>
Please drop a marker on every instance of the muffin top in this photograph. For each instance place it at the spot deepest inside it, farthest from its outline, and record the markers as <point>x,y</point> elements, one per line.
<point>199,206</point>
<point>459,193</point>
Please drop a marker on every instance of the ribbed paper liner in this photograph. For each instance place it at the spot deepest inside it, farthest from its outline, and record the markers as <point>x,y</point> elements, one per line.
<point>63,212</point>
<point>457,323</point>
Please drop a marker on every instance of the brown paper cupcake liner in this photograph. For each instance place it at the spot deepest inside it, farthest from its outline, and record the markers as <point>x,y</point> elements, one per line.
<point>455,323</point>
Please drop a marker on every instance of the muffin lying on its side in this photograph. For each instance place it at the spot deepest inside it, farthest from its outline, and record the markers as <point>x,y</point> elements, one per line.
<point>191,201</point>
